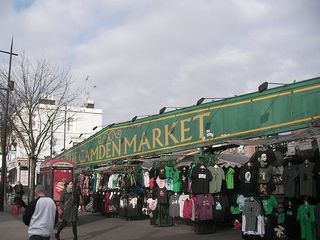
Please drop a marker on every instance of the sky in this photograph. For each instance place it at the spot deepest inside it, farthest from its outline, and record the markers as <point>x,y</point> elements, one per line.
<point>143,55</point>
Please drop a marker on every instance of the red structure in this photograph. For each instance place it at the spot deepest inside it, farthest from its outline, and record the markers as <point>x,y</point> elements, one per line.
<point>53,174</point>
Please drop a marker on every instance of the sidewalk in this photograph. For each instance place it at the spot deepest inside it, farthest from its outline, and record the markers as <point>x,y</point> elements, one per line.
<point>12,227</point>
<point>96,227</point>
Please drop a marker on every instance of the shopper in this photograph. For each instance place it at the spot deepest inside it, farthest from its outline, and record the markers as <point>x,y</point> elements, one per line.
<point>69,204</point>
<point>18,199</point>
<point>40,216</point>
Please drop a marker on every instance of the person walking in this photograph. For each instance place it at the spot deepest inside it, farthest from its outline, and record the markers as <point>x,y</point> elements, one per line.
<point>69,204</point>
<point>40,215</point>
<point>18,190</point>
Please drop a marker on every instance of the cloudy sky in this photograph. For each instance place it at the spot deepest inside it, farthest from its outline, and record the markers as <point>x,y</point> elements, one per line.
<point>145,54</point>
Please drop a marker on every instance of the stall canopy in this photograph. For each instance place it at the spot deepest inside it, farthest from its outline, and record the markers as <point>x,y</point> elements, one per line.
<point>281,109</point>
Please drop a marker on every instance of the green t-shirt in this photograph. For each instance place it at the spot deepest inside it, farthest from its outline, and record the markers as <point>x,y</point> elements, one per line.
<point>176,181</point>
<point>229,178</point>
<point>169,172</point>
<point>269,204</point>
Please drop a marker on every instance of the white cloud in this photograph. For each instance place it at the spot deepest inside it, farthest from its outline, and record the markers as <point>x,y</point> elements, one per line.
<point>143,55</point>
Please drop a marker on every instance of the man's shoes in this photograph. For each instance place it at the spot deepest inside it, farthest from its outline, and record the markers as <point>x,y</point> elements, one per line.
<point>57,236</point>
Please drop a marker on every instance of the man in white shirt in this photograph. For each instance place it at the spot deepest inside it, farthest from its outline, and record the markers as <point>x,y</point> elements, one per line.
<point>40,216</point>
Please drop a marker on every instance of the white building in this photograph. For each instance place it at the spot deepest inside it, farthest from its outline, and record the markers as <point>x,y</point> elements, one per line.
<point>78,125</point>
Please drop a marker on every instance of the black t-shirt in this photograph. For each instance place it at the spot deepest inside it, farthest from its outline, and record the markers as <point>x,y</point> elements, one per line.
<point>248,180</point>
<point>220,207</point>
<point>201,178</point>
<point>185,179</point>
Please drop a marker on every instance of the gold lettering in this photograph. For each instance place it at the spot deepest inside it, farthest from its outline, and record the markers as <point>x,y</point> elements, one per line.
<point>129,144</point>
<point>168,133</point>
<point>184,130</point>
<point>94,153</point>
<point>144,141</point>
<point>108,150</point>
<point>201,122</point>
<point>87,159</point>
<point>116,148</point>
<point>102,151</point>
<point>156,133</point>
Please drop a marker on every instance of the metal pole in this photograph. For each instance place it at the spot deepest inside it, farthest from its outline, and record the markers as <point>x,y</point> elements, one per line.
<point>4,138</point>
<point>65,128</point>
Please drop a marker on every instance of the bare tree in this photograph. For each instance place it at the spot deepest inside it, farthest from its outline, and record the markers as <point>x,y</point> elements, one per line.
<point>41,92</point>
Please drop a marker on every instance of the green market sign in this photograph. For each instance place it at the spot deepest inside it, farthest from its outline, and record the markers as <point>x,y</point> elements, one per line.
<point>276,110</point>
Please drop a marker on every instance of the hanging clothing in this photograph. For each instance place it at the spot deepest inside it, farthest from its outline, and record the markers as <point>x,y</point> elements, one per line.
<point>317,215</point>
<point>185,179</point>
<point>248,177</point>
<point>230,178</point>
<point>203,206</point>
<point>269,204</point>
<point>221,204</point>
<point>217,177</point>
<point>188,209</point>
<point>182,198</point>
<point>252,219</point>
<point>306,179</point>
<point>201,178</point>
<point>265,174</point>
<point>162,195</point>
<point>306,217</point>
<point>169,172</point>
<point>176,181</point>
<point>174,209</point>
<point>290,173</point>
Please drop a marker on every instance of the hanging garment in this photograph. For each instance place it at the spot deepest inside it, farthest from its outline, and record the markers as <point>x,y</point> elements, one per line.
<point>306,179</point>
<point>174,209</point>
<point>203,207</point>
<point>230,178</point>
<point>306,217</point>
<point>182,198</point>
<point>290,173</point>
<point>317,212</point>
<point>252,219</point>
<point>176,181</point>
<point>248,180</point>
<point>221,204</point>
<point>185,179</point>
<point>217,177</point>
<point>201,178</point>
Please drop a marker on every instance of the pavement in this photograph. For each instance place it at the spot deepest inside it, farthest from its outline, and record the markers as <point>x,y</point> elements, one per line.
<point>94,226</point>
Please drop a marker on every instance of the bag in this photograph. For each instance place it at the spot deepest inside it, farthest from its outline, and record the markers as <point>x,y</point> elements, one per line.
<point>27,215</point>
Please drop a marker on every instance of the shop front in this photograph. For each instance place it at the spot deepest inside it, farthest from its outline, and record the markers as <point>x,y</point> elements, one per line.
<point>252,195</point>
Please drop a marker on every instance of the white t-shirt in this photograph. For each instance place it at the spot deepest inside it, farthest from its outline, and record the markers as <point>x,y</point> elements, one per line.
<point>43,218</point>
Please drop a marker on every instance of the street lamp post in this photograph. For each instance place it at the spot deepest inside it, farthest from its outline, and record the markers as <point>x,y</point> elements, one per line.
<point>4,131</point>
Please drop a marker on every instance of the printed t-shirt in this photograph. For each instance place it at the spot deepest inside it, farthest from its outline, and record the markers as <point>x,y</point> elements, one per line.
<point>162,195</point>
<point>269,204</point>
<point>219,209</point>
<point>174,209</point>
<point>201,178</point>
<point>248,177</point>
<point>152,204</point>
<point>265,174</point>
<point>204,204</point>
<point>185,179</point>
